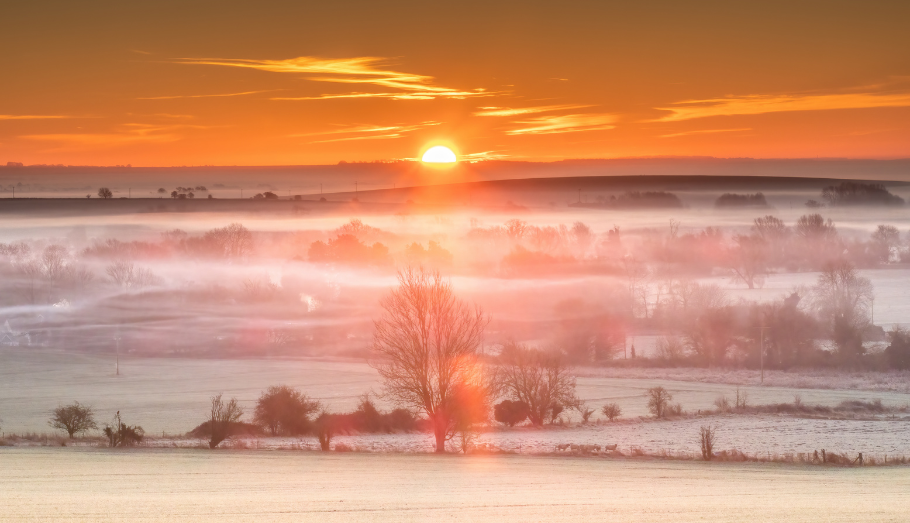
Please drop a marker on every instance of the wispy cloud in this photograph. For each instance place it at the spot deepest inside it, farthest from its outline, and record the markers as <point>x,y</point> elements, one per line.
<point>368,132</point>
<point>127,133</point>
<point>760,104</point>
<point>358,70</point>
<point>568,123</point>
<point>33,117</point>
<point>515,111</point>
<point>483,156</point>
<point>705,131</point>
<point>204,95</point>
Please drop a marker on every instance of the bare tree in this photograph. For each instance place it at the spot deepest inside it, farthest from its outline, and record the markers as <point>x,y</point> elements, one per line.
<point>73,419</point>
<point>31,270</point>
<point>813,227</point>
<point>426,341</point>
<point>232,242</point>
<point>658,401</point>
<point>843,299</point>
<point>540,380</point>
<point>747,260</point>
<point>516,229</point>
<point>54,262</point>
<point>221,418</point>
<point>105,193</point>
<point>126,274</point>
<point>583,236</point>
<point>885,241</point>
<point>611,411</point>
<point>636,274</point>
<point>770,228</point>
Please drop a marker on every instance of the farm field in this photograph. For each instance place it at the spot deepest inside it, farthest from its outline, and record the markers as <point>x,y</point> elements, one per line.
<point>82,485</point>
<point>170,397</point>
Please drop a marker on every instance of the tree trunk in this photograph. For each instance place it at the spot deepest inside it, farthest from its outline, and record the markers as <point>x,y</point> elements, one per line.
<point>440,426</point>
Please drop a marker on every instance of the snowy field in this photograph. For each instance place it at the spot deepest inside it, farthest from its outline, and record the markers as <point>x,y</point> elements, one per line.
<point>170,397</point>
<point>88,485</point>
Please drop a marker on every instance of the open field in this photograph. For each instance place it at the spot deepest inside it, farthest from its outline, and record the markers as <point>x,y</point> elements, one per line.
<point>171,396</point>
<point>70,485</point>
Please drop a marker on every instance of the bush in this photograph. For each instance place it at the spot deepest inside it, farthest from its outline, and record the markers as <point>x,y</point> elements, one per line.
<point>282,409</point>
<point>722,404</point>
<point>324,428</point>
<point>898,352</point>
<point>122,435</point>
<point>658,399</point>
<point>510,412</point>
<point>707,437</point>
<point>611,411</point>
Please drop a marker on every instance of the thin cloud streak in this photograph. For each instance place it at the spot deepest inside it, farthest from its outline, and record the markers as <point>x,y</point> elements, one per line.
<point>705,131</point>
<point>369,132</point>
<point>760,104</point>
<point>132,133</point>
<point>392,96</point>
<point>204,95</point>
<point>358,70</point>
<point>510,111</point>
<point>569,123</point>
<point>33,117</point>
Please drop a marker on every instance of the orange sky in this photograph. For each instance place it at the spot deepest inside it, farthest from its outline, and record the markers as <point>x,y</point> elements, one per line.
<point>294,82</point>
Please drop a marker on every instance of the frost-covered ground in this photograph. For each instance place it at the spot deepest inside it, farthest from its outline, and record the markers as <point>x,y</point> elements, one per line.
<point>755,435</point>
<point>171,395</point>
<point>88,485</point>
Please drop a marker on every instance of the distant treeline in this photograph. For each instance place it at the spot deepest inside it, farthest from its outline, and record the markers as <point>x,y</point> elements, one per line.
<point>741,200</point>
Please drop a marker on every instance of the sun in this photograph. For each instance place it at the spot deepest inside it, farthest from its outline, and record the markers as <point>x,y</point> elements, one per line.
<point>439,154</point>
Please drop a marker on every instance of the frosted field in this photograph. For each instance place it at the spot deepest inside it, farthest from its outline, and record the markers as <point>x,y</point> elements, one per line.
<point>171,396</point>
<point>70,485</point>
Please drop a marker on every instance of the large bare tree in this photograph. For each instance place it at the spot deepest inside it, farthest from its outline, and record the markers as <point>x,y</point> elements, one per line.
<point>426,345</point>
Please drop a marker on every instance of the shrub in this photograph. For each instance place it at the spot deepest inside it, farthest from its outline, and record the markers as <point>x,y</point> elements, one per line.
<point>73,419</point>
<point>510,412</point>
<point>222,417</point>
<point>658,399</point>
<point>707,437</point>
<point>611,411</point>
<point>324,428</point>
<point>282,409</point>
<point>122,435</point>
<point>898,352</point>
<point>742,399</point>
<point>722,404</point>
<point>586,413</point>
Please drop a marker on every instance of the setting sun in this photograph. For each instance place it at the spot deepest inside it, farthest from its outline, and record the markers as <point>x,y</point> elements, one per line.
<point>439,154</point>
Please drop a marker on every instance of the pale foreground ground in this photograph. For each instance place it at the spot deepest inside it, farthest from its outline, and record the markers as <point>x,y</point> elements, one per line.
<point>74,485</point>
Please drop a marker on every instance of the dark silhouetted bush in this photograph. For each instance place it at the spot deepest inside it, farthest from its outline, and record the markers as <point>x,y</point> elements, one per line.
<point>510,412</point>
<point>282,409</point>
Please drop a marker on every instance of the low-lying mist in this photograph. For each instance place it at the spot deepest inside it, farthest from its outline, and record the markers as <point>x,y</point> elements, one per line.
<point>586,280</point>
